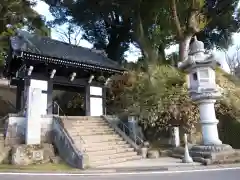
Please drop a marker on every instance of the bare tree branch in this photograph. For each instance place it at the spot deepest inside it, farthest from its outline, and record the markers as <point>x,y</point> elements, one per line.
<point>176,19</point>
<point>233,61</point>
<point>71,34</point>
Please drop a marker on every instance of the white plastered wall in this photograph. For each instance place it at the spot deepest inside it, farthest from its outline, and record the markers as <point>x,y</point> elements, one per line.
<point>36,107</point>
<point>96,101</point>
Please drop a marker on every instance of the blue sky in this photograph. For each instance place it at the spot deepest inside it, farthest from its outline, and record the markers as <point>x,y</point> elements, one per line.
<point>133,54</point>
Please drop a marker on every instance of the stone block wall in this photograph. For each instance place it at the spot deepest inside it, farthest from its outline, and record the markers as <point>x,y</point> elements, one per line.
<point>47,129</point>
<point>15,129</point>
<point>7,98</point>
<point>67,149</point>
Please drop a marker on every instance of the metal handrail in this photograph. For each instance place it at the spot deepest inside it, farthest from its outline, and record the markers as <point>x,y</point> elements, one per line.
<point>136,137</point>
<point>4,117</point>
<point>65,117</point>
<point>125,127</point>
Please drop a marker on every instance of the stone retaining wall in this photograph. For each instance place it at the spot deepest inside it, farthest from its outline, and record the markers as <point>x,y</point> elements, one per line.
<point>15,129</point>
<point>67,149</point>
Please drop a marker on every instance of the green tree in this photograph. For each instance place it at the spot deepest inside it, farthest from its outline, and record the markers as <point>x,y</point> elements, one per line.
<point>102,26</point>
<point>151,25</point>
<point>138,93</point>
<point>19,14</point>
<point>203,17</point>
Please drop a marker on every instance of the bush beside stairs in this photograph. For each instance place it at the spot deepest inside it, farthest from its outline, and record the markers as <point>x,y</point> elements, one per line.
<point>100,143</point>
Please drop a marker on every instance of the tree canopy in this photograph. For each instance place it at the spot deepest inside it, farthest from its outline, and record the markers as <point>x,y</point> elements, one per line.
<point>157,94</point>
<point>19,14</point>
<point>151,25</point>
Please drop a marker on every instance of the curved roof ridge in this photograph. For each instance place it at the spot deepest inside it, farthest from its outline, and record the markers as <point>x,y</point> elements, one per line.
<point>47,46</point>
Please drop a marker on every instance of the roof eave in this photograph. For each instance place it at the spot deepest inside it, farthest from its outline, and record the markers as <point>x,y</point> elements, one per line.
<point>28,55</point>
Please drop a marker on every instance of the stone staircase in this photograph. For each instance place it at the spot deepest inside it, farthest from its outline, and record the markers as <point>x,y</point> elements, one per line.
<point>101,143</point>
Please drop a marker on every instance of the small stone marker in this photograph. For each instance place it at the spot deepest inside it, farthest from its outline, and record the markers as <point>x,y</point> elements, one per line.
<point>187,158</point>
<point>37,155</point>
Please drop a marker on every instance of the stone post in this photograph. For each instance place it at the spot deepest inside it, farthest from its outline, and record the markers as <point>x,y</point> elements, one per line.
<point>186,158</point>
<point>33,117</point>
<point>175,136</point>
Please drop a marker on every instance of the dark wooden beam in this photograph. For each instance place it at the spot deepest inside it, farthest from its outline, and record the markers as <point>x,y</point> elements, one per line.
<point>50,97</point>
<point>19,95</point>
<point>87,100</point>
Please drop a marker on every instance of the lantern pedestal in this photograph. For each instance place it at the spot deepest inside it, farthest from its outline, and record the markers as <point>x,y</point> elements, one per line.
<point>209,122</point>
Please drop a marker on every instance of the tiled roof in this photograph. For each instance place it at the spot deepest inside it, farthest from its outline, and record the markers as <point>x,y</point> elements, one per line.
<point>46,46</point>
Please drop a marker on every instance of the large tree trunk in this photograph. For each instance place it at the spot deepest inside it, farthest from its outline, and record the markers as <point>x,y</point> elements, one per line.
<point>150,53</point>
<point>184,47</point>
<point>161,51</point>
<point>185,34</point>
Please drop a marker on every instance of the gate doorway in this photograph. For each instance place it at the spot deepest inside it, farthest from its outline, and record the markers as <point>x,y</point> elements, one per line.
<point>70,99</point>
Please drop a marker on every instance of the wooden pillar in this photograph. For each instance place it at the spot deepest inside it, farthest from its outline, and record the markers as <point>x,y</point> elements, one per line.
<point>104,97</point>
<point>25,92</point>
<point>19,96</point>
<point>50,97</point>
<point>87,100</point>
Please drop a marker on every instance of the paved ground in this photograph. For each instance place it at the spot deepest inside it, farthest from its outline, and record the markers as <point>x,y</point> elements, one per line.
<point>150,163</point>
<point>208,174</point>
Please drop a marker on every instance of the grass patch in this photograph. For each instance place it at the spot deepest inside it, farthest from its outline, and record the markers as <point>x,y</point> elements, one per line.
<point>38,167</point>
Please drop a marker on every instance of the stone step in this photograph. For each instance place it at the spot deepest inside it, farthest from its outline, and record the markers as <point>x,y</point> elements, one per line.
<point>89,121</point>
<point>102,146</point>
<point>105,136</point>
<point>86,126</point>
<point>102,138</point>
<point>110,151</point>
<point>113,161</point>
<point>81,118</point>
<point>84,121</point>
<point>96,142</point>
<point>100,157</point>
<point>92,133</point>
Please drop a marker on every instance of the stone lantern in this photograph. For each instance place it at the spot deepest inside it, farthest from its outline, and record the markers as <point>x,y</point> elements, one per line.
<point>201,77</point>
<point>204,91</point>
<point>203,88</point>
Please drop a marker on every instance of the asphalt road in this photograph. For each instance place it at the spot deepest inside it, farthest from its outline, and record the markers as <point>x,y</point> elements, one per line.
<point>229,174</point>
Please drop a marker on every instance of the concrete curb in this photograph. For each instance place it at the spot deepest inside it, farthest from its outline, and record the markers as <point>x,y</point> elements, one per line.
<point>124,170</point>
<point>94,170</point>
<point>147,168</point>
<point>132,169</point>
<point>161,168</point>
